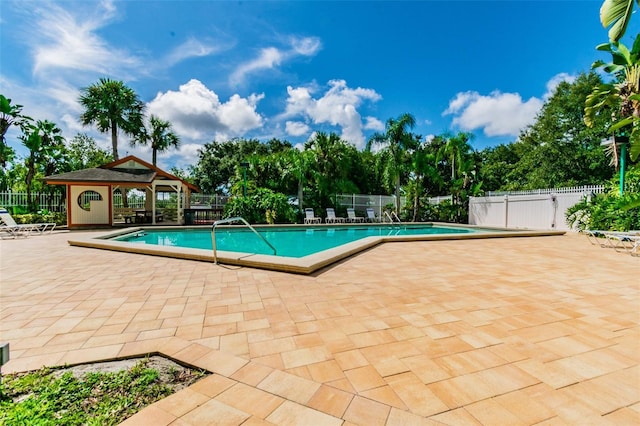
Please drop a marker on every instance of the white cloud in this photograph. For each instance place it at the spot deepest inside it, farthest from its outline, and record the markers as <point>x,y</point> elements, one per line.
<point>270,58</point>
<point>60,40</point>
<point>296,128</point>
<point>197,113</point>
<point>337,107</point>
<point>498,114</point>
<point>555,81</point>
<point>307,46</point>
<point>192,48</point>
<point>372,123</point>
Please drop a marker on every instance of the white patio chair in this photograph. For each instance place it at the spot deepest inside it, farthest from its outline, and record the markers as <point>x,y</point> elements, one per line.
<point>371,215</point>
<point>332,218</point>
<point>351,216</point>
<point>310,217</point>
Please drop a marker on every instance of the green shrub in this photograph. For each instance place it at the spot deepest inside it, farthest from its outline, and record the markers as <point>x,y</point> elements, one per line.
<point>261,206</point>
<point>443,212</point>
<point>43,216</point>
<point>609,211</point>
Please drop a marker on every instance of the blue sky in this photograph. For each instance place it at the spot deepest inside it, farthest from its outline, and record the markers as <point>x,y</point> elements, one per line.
<point>218,70</point>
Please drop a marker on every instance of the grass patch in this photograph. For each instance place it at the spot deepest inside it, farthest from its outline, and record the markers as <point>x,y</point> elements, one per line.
<point>64,397</point>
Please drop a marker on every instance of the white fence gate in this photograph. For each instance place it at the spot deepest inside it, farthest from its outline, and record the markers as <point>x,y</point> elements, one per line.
<point>543,209</point>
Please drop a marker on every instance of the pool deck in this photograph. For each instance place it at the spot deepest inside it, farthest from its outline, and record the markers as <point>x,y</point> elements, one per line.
<point>299,265</point>
<point>518,331</point>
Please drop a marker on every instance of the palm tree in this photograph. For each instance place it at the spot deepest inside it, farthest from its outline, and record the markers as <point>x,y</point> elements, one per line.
<point>326,167</point>
<point>112,106</point>
<point>423,167</point>
<point>10,114</point>
<point>456,149</point>
<point>396,140</point>
<point>45,143</point>
<point>294,164</point>
<point>160,135</point>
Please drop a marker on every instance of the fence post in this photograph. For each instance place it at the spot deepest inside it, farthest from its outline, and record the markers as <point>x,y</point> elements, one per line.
<point>506,211</point>
<point>554,209</point>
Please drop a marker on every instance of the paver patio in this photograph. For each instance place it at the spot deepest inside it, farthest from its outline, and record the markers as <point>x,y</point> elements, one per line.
<point>541,330</point>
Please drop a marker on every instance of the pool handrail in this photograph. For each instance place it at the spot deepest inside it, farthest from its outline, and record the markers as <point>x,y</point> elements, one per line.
<point>391,218</point>
<point>231,220</point>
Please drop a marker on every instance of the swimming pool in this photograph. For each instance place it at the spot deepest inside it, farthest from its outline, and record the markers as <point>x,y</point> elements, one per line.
<point>288,241</point>
<point>305,248</point>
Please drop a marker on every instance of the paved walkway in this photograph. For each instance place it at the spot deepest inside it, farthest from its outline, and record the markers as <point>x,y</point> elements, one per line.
<point>542,330</point>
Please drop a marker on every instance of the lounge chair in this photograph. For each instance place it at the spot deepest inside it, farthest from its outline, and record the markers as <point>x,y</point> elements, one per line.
<point>371,215</point>
<point>39,228</point>
<point>332,218</point>
<point>310,217</point>
<point>634,250</point>
<point>596,237</point>
<point>623,240</point>
<point>351,213</point>
<point>629,240</point>
<point>7,231</point>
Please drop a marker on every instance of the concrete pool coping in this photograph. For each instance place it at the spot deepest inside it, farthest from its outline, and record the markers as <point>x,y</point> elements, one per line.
<point>303,265</point>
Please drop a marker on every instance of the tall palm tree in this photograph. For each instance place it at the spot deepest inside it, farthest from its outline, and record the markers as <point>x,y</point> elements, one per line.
<point>160,135</point>
<point>112,106</point>
<point>395,141</point>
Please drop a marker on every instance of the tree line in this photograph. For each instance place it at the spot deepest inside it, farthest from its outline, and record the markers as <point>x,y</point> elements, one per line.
<point>559,149</point>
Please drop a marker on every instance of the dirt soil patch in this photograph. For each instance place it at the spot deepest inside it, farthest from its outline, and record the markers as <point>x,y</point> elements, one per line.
<point>171,374</point>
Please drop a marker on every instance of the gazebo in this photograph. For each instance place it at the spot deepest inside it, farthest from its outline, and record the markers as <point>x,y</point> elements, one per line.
<point>90,193</point>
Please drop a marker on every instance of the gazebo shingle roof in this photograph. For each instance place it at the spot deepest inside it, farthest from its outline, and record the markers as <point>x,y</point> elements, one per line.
<point>119,172</point>
<point>98,174</point>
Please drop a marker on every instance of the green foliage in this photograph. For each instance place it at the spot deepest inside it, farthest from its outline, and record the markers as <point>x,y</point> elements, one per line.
<point>622,95</point>
<point>10,115</point>
<point>218,161</point>
<point>558,150</point>
<point>394,144</point>
<point>46,153</point>
<point>443,212</point>
<point>329,161</point>
<point>160,136</point>
<point>261,205</point>
<point>84,153</point>
<point>610,211</point>
<point>112,106</point>
<point>43,216</point>
<point>616,14</point>
<point>46,398</point>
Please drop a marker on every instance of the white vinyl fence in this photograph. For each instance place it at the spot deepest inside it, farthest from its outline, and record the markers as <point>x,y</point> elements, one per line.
<point>542,209</point>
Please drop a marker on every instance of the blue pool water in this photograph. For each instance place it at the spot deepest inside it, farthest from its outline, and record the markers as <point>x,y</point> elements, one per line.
<point>291,242</point>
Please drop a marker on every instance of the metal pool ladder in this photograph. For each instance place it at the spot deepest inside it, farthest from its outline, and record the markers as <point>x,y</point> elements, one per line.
<point>391,217</point>
<point>231,220</point>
